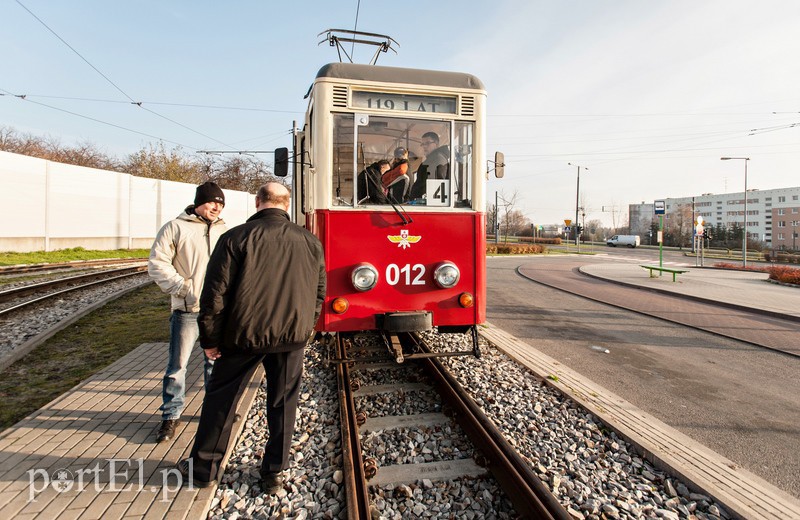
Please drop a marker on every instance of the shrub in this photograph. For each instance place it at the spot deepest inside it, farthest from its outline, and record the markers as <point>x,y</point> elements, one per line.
<point>781,273</point>
<point>738,267</point>
<point>785,274</point>
<point>540,240</point>
<point>514,249</point>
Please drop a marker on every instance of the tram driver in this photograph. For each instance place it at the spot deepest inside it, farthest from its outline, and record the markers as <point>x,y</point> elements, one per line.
<point>436,164</point>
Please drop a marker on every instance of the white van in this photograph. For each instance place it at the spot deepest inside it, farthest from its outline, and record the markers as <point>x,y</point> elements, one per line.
<point>623,240</point>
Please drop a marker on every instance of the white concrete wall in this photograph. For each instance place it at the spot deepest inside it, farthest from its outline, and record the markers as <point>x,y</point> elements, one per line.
<point>53,206</point>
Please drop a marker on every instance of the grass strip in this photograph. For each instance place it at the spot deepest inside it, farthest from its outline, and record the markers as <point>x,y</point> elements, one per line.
<point>68,255</point>
<point>82,349</point>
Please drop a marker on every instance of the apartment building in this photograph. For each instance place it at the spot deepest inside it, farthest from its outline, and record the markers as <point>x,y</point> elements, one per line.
<point>773,216</point>
<point>785,228</point>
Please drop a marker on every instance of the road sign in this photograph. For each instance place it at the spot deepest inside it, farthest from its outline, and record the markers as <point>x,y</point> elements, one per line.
<point>660,207</point>
<point>567,222</point>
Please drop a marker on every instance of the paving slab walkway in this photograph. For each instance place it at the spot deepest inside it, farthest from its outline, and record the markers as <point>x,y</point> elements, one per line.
<point>91,453</point>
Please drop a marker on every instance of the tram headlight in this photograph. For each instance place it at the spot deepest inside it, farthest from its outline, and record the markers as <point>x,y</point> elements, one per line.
<point>446,275</point>
<point>364,277</point>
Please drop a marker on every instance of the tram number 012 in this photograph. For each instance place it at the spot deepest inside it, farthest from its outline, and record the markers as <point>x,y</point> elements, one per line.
<point>406,275</point>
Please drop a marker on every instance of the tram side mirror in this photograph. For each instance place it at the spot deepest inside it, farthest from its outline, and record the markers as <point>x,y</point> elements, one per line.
<point>499,164</point>
<point>281,162</point>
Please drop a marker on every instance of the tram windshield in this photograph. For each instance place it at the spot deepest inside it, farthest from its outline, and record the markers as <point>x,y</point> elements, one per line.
<point>393,160</point>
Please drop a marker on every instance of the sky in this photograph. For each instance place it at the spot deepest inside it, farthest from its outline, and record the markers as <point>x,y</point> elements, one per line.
<point>644,96</point>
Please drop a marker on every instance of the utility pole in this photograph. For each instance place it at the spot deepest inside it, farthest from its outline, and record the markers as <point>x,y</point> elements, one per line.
<point>694,223</point>
<point>744,239</point>
<point>496,220</point>
<point>577,202</point>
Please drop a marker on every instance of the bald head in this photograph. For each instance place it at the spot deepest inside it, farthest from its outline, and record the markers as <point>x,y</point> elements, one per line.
<point>273,195</point>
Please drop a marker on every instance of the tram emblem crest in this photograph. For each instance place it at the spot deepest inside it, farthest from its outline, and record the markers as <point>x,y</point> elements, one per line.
<point>403,240</point>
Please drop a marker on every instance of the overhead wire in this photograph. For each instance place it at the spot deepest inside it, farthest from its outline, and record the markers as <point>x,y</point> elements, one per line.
<point>73,50</point>
<point>132,101</point>
<point>24,98</point>
<point>188,105</point>
<point>355,28</point>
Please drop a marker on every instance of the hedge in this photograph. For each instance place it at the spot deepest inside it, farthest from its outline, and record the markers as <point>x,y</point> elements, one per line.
<point>514,249</point>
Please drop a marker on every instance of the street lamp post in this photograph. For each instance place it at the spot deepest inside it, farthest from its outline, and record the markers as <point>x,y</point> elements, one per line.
<point>577,202</point>
<point>744,239</point>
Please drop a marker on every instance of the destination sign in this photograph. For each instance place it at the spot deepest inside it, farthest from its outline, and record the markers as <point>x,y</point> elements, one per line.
<point>404,102</point>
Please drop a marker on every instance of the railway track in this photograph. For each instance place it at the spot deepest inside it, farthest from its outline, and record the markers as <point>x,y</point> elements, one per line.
<point>62,266</point>
<point>32,313</point>
<point>415,436</point>
<point>49,289</point>
<point>368,477</point>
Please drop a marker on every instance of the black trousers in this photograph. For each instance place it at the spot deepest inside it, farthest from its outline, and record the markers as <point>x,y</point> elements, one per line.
<point>225,387</point>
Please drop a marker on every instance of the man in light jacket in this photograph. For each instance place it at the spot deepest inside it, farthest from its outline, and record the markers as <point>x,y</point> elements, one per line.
<point>262,297</point>
<point>178,261</point>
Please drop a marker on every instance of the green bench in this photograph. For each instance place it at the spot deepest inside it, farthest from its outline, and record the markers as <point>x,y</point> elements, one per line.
<point>675,272</point>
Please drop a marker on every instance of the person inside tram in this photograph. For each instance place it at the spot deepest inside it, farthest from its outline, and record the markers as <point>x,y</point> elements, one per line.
<point>369,187</point>
<point>396,181</point>
<point>436,164</point>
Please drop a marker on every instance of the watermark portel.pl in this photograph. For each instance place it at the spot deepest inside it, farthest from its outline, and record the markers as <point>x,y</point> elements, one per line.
<point>117,474</point>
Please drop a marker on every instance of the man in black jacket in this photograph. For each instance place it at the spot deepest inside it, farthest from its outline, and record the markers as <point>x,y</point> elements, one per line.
<point>262,296</point>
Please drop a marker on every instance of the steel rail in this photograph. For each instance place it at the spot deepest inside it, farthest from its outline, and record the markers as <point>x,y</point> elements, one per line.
<point>77,264</point>
<point>47,296</point>
<point>17,292</point>
<point>356,491</point>
<point>530,497</point>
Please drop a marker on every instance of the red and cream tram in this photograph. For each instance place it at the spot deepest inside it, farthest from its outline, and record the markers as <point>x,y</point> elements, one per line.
<point>404,252</point>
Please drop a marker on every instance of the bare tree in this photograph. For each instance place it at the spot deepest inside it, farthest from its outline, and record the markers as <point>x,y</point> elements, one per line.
<point>593,230</point>
<point>515,222</point>
<point>51,149</point>
<point>679,225</point>
<point>239,172</point>
<point>491,218</point>
<point>155,162</point>
<point>506,205</point>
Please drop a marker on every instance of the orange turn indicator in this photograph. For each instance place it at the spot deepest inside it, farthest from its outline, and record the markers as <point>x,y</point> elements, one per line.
<point>340,305</point>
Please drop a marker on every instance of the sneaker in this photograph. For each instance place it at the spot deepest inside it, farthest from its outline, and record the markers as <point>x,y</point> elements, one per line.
<point>271,483</point>
<point>167,430</point>
<point>183,467</point>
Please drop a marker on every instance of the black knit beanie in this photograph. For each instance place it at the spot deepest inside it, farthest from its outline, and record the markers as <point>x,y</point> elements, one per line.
<point>208,192</point>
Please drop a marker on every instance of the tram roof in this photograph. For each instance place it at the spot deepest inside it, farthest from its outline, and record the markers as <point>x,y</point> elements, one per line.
<point>440,78</point>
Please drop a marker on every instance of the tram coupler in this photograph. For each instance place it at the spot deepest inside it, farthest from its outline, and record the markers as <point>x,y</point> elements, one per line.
<point>392,343</point>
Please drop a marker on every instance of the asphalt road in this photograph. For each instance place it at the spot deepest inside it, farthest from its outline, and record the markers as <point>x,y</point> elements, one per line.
<point>740,400</point>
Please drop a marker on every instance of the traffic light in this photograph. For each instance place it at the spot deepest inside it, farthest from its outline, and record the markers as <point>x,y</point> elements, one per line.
<point>578,229</point>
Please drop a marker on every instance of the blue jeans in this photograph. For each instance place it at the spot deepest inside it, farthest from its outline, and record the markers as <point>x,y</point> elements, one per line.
<point>183,334</point>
